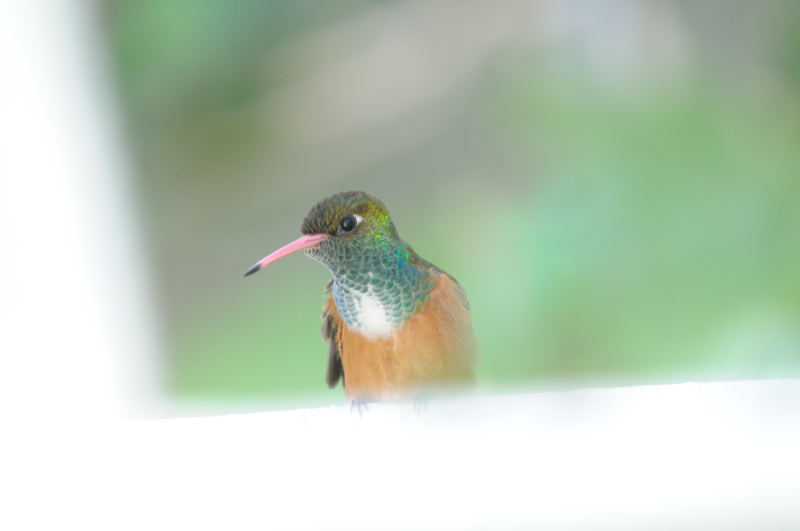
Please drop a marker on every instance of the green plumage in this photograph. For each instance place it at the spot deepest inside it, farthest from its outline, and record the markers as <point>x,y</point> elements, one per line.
<point>370,261</point>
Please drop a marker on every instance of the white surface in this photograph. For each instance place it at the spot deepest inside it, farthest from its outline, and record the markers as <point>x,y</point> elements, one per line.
<point>690,456</point>
<point>77,333</point>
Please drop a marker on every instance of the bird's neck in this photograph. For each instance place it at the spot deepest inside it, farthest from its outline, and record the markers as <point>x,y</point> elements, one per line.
<point>379,288</point>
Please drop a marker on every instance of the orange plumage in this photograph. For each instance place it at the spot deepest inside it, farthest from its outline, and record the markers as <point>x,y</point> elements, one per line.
<point>435,347</point>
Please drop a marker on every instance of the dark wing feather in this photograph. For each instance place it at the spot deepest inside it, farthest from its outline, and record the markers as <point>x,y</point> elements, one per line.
<point>330,333</point>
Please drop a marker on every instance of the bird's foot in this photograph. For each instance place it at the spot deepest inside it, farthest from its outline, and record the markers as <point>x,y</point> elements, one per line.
<point>421,401</point>
<point>359,404</point>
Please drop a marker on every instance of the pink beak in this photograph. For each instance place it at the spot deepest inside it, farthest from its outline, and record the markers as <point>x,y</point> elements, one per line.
<point>307,241</point>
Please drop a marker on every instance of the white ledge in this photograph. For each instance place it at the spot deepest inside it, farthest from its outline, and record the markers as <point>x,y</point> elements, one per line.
<point>688,456</point>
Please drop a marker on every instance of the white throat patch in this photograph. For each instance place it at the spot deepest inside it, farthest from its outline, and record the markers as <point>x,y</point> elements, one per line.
<point>373,322</point>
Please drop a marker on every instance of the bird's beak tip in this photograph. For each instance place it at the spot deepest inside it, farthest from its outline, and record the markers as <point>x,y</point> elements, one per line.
<point>255,269</point>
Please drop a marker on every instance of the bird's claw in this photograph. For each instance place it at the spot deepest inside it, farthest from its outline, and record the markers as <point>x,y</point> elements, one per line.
<point>359,403</point>
<point>421,402</point>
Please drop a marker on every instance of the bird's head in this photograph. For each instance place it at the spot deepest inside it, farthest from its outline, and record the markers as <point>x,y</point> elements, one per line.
<point>344,227</point>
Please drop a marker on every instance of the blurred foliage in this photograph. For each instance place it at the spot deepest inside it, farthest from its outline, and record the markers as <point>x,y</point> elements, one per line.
<point>616,187</point>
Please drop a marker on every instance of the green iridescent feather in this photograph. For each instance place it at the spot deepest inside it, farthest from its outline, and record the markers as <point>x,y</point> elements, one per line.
<point>371,260</point>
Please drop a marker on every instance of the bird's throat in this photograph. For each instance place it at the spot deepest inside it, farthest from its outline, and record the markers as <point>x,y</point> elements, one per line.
<point>376,296</point>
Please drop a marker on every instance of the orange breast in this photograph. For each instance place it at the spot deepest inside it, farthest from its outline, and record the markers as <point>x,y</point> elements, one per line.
<point>435,347</point>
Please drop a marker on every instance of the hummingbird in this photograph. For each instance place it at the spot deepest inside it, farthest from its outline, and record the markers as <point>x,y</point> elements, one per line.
<point>395,324</point>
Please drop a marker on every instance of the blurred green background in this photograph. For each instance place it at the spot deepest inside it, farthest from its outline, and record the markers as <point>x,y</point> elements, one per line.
<point>615,183</point>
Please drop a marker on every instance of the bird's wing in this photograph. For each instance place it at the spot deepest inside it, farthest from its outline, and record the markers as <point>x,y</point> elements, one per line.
<point>331,332</point>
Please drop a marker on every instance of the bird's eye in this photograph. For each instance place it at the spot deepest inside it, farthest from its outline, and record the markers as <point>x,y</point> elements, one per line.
<point>349,224</point>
